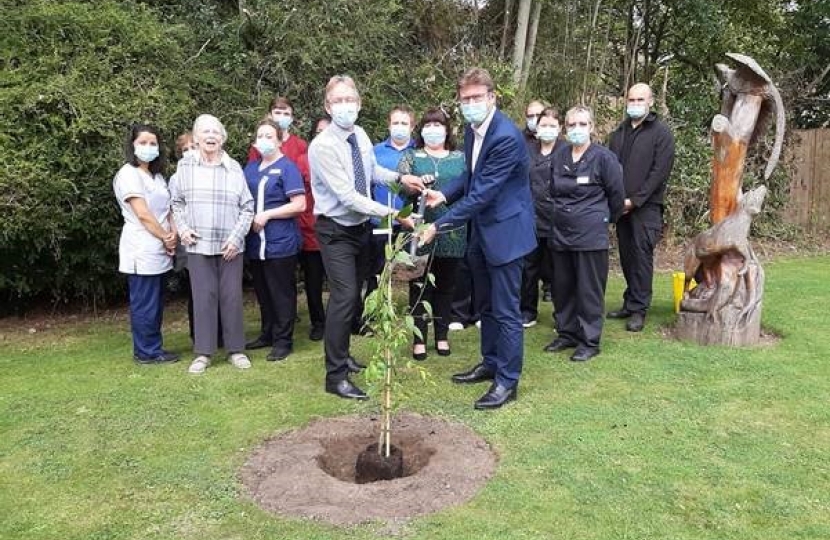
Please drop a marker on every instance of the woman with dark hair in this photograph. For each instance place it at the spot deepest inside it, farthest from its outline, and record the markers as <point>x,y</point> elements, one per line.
<point>273,242</point>
<point>435,155</point>
<point>148,239</point>
<point>538,264</point>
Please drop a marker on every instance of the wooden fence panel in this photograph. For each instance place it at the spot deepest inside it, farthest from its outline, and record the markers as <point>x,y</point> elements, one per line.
<point>809,204</point>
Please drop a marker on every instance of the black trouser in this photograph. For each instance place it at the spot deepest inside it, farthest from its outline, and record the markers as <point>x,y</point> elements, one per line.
<point>579,279</point>
<point>275,284</point>
<point>375,259</point>
<point>439,296</point>
<point>464,309</point>
<point>538,266</point>
<point>343,249</point>
<point>637,234</point>
<point>313,274</point>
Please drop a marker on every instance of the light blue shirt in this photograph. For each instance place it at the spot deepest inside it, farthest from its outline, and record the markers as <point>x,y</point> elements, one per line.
<point>332,177</point>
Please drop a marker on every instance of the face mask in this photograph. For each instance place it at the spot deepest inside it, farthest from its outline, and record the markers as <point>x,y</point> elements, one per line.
<point>265,146</point>
<point>578,136</point>
<point>434,136</point>
<point>547,133</point>
<point>636,111</point>
<point>284,122</point>
<point>344,114</point>
<point>190,153</point>
<point>399,133</point>
<point>146,152</point>
<point>531,123</point>
<point>474,113</point>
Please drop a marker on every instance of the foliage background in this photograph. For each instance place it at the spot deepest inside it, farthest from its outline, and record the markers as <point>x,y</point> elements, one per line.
<point>75,74</point>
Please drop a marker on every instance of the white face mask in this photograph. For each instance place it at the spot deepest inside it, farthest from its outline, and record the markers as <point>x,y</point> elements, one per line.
<point>434,135</point>
<point>146,152</point>
<point>344,114</point>
<point>547,133</point>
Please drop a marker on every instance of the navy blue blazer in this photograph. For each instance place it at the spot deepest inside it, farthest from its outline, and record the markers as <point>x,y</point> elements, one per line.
<point>496,199</point>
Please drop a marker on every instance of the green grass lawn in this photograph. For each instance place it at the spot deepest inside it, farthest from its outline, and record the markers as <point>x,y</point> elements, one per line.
<point>652,439</point>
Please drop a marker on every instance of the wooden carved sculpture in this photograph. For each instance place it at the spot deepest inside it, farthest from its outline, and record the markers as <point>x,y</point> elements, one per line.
<point>725,307</point>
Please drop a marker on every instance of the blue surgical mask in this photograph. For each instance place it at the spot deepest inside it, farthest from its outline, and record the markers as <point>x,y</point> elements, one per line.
<point>578,136</point>
<point>531,123</point>
<point>636,111</point>
<point>191,153</point>
<point>146,152</point>
<point>344,114</point>
<point>265,147</point>
<point>434,135</point>
<point>284,122</point>
<point>474,113</point>
<point>547,133</point>
<point>399,133</point>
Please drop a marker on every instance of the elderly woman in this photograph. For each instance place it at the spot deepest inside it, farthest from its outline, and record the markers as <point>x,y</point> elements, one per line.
<point>435,156</point>
<point>274,241</point>
<point>588,196</point>
<point>148,240</point>
<point>213,210</point>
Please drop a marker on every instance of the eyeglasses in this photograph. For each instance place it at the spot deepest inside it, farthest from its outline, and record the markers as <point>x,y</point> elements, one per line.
<point>475,98</point>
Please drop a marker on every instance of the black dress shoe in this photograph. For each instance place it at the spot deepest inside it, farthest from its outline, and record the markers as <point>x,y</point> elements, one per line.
<point>619,314</point>
<point>636,322</point>
<point>316,333</point>
<point>479,373</point>
<point>259,343</point>
<point>559,344</point>
<point>419,356</point>
<point>583,354</point>
<point>166,357</point>
<point>496,396</point>
<point>278,353</point>
<point>345,389</point>
<point>354,366</point>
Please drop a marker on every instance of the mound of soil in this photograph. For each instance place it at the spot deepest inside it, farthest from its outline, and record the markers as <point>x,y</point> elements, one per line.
<point>311,472</point>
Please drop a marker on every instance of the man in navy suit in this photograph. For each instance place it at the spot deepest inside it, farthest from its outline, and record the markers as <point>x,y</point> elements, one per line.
<point>493,195</point>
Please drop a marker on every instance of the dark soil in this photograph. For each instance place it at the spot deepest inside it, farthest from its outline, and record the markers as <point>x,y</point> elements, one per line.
<point>311,472</point>
<point>372,465</point>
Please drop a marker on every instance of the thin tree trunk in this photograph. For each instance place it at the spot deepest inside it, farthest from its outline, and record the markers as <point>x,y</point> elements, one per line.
<point>520,39</point>
<point>531,43</point>
<point>664,102</point>
<point>588,53</point>
<point>505,31</point>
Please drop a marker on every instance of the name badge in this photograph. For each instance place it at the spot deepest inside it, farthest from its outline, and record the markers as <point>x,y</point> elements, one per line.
<point>275,171</point>
<point>583,180</point>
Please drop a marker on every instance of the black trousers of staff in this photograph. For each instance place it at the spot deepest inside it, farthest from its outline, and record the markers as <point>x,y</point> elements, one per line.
<point>463,308</point>
<point>275,284</point>
<point>438,295</point>
<point>313,274</point>
<point>579,279</point>
<point>638,233</point>
<point>538,266</point>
